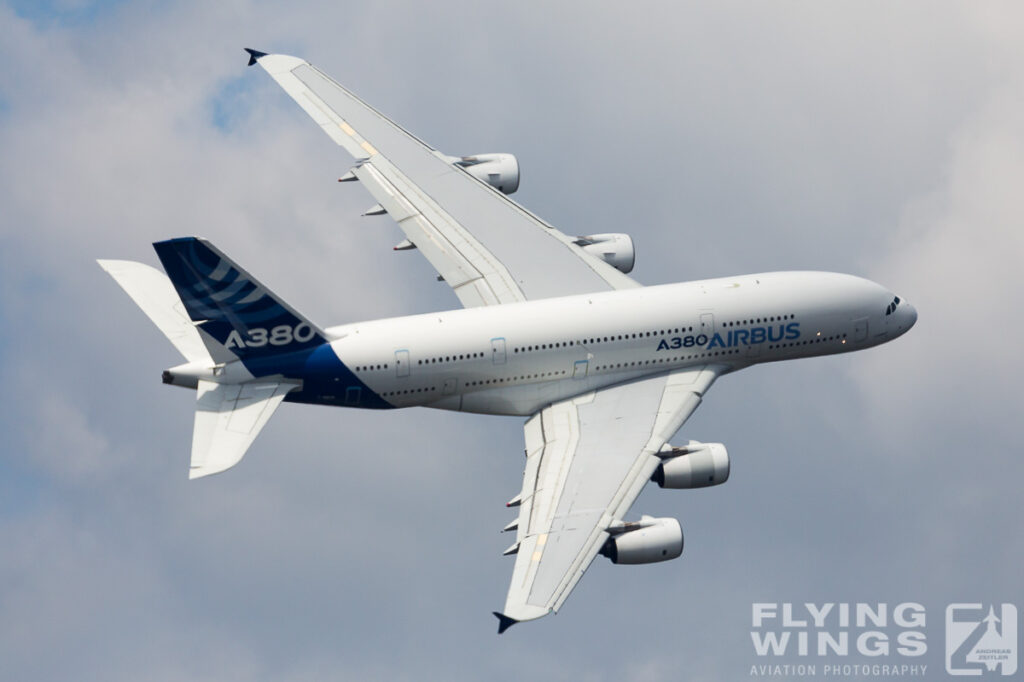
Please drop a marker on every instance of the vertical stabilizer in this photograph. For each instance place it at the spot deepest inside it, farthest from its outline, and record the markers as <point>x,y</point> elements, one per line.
<point>230,305</point>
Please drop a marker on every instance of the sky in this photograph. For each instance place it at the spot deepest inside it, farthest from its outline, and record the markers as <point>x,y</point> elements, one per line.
<point>880,139</point>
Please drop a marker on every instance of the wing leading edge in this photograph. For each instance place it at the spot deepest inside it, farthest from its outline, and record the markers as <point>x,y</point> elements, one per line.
<point>488,248</point>
<point>587,459</point>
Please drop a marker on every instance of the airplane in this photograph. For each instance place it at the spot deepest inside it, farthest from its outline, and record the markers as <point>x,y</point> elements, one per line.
<point>605,371</point>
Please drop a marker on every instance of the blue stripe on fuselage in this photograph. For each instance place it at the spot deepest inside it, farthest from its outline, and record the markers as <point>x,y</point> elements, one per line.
<point>325,379</point>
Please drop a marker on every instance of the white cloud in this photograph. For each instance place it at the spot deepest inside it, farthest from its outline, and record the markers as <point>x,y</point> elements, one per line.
<point>956,255</point>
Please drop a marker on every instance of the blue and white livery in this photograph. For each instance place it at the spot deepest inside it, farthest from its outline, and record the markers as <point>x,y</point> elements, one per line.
<point>553,329</point>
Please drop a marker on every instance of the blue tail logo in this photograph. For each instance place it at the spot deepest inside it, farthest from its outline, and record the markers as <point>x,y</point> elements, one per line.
<point>230,305</point>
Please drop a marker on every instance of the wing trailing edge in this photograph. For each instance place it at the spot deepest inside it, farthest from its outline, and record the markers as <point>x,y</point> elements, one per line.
<point>486,247</point>
<point>587,459</point>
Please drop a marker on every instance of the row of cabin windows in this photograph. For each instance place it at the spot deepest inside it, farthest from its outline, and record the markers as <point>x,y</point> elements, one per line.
<point>484,382</point>
<point>759,320</point>
<point>410,390</point>
<point>637,335</point>
<point>449,358</point>
<point>428,361</point>
<point>641,363</point>
<point>807,342</point>
<point>598,368</point>
<point>621,365</point>
<point>599,339</point>
<point>585,342</point>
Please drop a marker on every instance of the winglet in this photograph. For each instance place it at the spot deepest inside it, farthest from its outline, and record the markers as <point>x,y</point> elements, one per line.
<point>254,55</point>
<point>504,622</point>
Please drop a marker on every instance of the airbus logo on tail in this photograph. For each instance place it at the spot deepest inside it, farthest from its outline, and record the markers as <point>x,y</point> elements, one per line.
<point>734,337</point>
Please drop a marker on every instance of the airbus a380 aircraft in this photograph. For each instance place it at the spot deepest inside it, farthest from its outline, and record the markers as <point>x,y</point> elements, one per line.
<point>605,370</point>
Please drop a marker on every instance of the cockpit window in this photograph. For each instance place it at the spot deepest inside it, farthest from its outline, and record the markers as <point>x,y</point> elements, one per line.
<point>891,308</point>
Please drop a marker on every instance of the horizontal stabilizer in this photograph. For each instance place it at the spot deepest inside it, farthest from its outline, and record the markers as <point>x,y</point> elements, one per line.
<point>228,419</point>
<point>153,292</point>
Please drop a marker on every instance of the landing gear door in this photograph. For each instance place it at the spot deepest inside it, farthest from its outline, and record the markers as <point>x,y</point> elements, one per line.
<point>498,351</point>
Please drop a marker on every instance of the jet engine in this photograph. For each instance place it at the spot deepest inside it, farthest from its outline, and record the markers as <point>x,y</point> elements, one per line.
<point>697,465</point>
<point>500,171</point>
<point>644,542</point>
<point>614,248</point>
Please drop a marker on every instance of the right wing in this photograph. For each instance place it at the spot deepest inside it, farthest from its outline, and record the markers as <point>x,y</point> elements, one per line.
<point>488,248</point>
<point>228,419</point>
<point>587,459</point>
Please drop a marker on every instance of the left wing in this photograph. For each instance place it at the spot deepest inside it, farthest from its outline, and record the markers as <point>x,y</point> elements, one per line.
<point>488,248</point>
<point>587,459</point>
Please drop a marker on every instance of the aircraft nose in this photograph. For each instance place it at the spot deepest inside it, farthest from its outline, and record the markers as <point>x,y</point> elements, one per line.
<point>905,317</point>
<point>911,313</point>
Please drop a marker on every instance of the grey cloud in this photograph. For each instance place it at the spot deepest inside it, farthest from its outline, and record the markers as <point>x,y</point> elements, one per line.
<point>882,140</point>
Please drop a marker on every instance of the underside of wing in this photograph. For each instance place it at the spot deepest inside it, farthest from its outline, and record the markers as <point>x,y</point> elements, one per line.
<point>486,247</point>
<point>587,459</point>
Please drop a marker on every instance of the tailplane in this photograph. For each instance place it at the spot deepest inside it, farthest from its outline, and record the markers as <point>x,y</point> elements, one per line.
<point>228,419</point>
<point>154,293</point>
<point>237,338</point>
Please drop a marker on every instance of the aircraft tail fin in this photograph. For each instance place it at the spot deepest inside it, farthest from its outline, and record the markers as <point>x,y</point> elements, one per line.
<point>230,306</point>
<point>215,313</point>
<point>153,292</point>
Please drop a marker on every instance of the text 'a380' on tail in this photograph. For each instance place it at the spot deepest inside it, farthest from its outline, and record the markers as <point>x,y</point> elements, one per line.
<point>241,343</point>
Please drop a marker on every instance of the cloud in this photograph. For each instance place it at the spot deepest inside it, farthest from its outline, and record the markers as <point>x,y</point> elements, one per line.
<point>960,248</point>
<point>365,545</point>
<point>955,253</point>
<point>70,446</point>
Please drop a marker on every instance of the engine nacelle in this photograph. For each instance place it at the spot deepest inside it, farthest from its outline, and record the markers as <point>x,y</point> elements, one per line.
<point>650,541</point>
<point>698,465</point>
<point>500,171</point>
<point>614,248</point>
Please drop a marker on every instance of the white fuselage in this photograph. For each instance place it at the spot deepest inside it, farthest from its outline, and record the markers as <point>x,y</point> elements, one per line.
<point>515,359</point>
